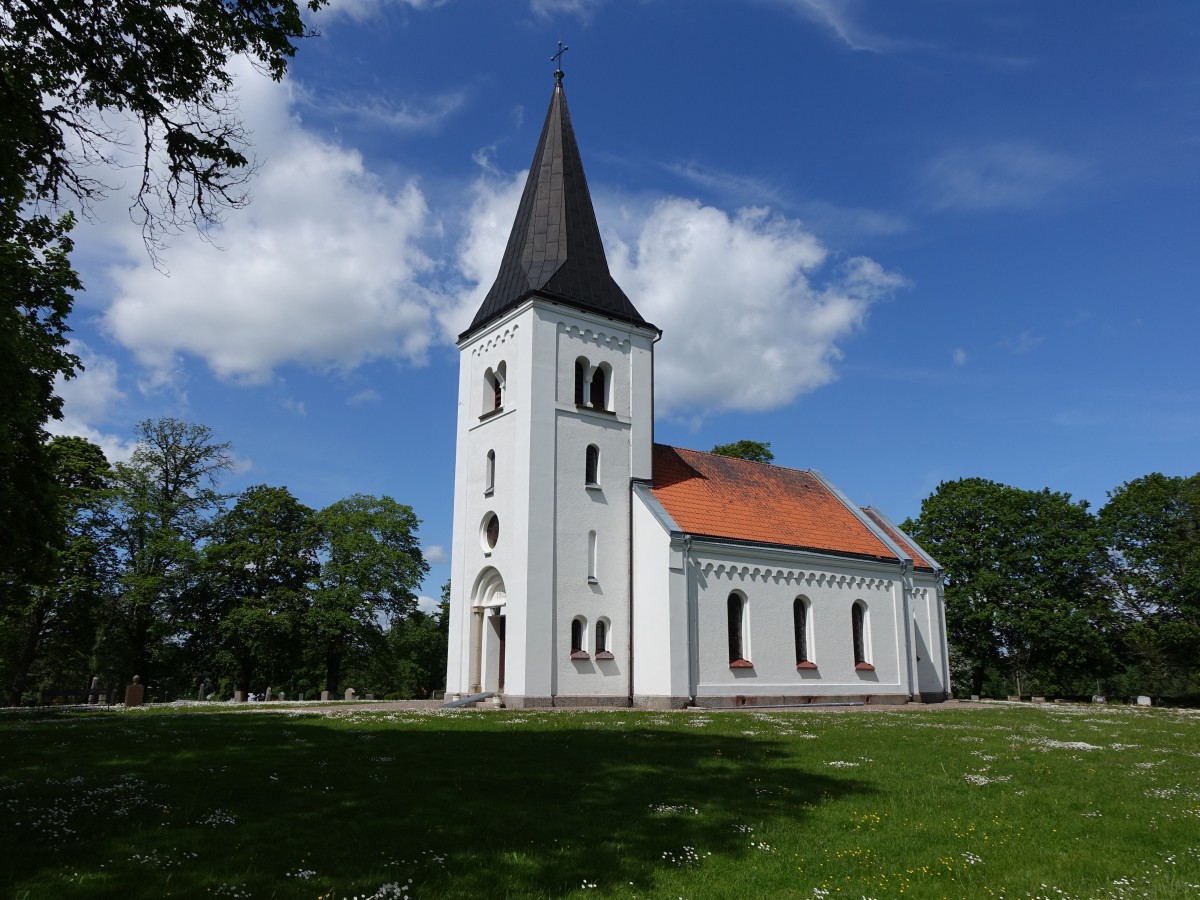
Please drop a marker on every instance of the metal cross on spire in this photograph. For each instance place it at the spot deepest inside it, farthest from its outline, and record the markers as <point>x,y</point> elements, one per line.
<point>557,60</point>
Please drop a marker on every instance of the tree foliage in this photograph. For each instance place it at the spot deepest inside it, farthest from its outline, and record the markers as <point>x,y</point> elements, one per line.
<point>258,561</point>
<point>1023,592</point>
<point>81,82</point>
<point>54,627</point>
<point>370,572</point>
<point>1151,526</point>
<point>755,451</point>
<point>165,496</point>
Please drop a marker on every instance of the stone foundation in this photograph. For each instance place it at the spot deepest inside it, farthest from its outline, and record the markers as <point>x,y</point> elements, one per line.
<point>642,701</point>
<point>752,700</point>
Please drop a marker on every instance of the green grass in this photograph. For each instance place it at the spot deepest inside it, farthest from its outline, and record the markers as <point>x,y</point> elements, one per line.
<point>1001,802</point>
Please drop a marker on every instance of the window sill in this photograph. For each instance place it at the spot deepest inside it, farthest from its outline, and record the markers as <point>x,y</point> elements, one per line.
<point>595,409</point>
<point>740,664</point>
<point>579,654</point>
<point>489,491</point>
<point>592,486</point>
<point>604,654</point>
<point>491,412</point>
<point>805,664</point>
<point>864,667</point>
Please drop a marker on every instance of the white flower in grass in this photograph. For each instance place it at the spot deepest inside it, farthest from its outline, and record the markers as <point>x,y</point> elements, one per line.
<point>841,764</point>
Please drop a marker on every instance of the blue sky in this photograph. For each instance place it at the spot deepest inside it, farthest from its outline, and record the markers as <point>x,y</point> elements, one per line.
<point>903,242</point>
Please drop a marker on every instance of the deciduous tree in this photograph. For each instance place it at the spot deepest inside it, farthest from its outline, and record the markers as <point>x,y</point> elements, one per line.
<point>755,451</point>
<point>370,570</point>
<point>165,496</point>
<point>1023,590</point>
<point>258,560</point>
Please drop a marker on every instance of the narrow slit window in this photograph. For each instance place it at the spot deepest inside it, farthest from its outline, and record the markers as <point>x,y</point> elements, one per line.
<point>578,630</point>
<point>580,377</point>
<point>858,624</point>
<point>591,475</point>
<point>489,479</point>
<point>599,389</point>
<point>592,552</point>
<point>735,611</point>
<point>800,623</point>
<point>601,636</point>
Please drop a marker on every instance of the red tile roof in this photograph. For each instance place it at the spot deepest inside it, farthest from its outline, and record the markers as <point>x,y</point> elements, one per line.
<point>734,499</point>
<point>919,559</point>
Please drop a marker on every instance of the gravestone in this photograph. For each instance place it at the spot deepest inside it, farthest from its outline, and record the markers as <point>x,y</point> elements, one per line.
<point>268,696</point>
<point>1014,698</point>
<point>135,694</point>
<point>370,696</point>
<point>203,692</point>
<point>1039,699</point>
<point>1099,698</point>
<point>94,690</point>
<point>239,696</point>
<point>974,698</point>
<point>325,696</point>
<point>300,697</point>
<point>349,693</point>
<point>1143,701</point>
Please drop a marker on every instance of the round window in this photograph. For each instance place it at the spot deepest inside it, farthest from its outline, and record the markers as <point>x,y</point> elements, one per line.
<point>491,530</point>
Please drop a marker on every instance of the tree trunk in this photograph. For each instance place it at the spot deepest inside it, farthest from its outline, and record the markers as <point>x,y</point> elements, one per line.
<point>333,670</point>
<point>27,653</point>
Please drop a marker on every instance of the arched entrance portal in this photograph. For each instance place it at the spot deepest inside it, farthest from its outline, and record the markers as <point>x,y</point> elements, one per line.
<point>488,602</point>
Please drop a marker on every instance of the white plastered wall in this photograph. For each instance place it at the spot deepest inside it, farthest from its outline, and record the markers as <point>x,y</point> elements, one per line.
<point>771,581</point>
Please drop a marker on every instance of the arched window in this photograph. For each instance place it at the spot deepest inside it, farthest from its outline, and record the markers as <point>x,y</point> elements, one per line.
<point>602,651</point>
<point>858,624</point>
<point>493,389</point>
<point>800,624</point>
<point>591,467</point>
<point>592,552</point>
<point>598,396</point>
<point>489,477</point>
<point>581,367</point>
<point>578,631</point>
<point>736,609</point>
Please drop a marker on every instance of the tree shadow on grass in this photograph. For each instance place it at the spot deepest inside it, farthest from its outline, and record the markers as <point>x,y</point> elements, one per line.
<point>468,806</point>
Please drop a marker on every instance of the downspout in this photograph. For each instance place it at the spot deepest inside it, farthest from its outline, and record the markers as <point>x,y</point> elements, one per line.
<point>630,530</point>
<point>693,641</point>
<point>909,642</point>
<point>657,338</point>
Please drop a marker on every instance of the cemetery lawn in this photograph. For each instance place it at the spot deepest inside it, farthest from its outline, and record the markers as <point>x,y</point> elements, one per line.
<point>1055,802</point>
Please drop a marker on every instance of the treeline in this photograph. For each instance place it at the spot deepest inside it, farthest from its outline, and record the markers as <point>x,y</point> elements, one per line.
<point>156,573</point>
<point>1045,597</point>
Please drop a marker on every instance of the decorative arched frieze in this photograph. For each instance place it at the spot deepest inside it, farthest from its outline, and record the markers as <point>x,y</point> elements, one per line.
<point>599,338</point>
<point>782,575</point>
<point>494,340</point>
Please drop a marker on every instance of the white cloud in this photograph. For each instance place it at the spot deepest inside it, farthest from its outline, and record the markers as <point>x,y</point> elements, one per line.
<point>427,605</point>
<point>839,17</point>
<point>581,8</point>
<point>745,326</point>
<point>959,355</point>
<point>88,398</point>
<point>1005,175</point>
<point>489,221</point>
<point>1022,343</point>
<point>364,10</point>
<point>323,268</point>
<point>436,553</point>
<point>402,116</point>
<point>366,395</point>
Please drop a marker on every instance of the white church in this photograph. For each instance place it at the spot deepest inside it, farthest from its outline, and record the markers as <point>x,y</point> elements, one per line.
<point>592,566</point>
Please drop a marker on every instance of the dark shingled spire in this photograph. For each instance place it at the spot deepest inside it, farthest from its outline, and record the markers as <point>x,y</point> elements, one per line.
<point>554,249</point>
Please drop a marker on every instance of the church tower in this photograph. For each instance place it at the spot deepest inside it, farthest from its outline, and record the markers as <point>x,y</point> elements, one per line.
<point>555,420</point>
